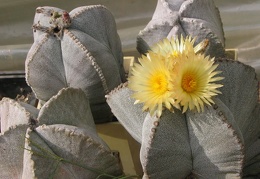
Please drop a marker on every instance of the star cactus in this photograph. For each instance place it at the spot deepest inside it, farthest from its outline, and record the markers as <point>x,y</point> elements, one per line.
<point>222,141</point>
<point>53,142</point>
<point>80,49</point>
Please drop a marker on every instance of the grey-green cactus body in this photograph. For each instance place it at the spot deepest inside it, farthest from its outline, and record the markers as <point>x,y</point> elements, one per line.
<point>197,18</point>
<point>60,144</point>
<point>221,142</point>
<point>81,52</point>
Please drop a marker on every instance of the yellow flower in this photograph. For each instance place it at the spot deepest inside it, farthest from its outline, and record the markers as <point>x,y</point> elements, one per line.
<point>192,73</point>
<point>167,47</point>
<point>193,81</point>
<point>172,49</point>
<point>151,81</point>
<point>174,74</point>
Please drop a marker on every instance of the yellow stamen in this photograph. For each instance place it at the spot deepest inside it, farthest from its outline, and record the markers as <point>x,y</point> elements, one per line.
<point>189,83</point>
<point>175,53</point>
<point>159,83</point>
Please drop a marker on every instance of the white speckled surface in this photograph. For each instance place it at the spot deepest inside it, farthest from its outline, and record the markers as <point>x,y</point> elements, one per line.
<point>240,19</point>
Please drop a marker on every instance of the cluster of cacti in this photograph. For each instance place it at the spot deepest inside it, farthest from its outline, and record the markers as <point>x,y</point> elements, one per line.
<point>220,142</point>
<point>80,49</point>
<point>75,60</point>
<point>53,142</point>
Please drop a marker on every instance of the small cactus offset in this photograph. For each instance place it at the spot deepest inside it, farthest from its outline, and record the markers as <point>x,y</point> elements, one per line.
<point>173,18</point>
<point>80,49</point>
<point>54,142</point>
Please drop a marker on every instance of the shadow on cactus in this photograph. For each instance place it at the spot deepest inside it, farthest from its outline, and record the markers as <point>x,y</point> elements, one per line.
<point>41,152</point>
<point>80,49</point>
<point>194,116</point>
<point>60,139</point>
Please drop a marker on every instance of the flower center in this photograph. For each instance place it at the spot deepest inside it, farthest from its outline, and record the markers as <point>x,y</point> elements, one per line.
<point>159,83</point>
<point>188,83</point>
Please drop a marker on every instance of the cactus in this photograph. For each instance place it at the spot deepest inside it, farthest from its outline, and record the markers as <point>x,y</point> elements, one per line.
<point>80,49</point>
<point>198,18</point>
<point>12,129</point>
<point>220,142</point>
<point>53,141</point>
